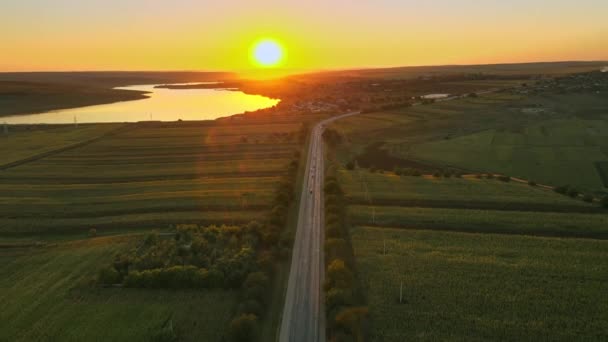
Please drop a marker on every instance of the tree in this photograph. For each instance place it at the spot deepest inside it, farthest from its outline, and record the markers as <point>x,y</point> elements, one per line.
<point>108,276</point>
<point>354,320</point>
<point>350,165</point>
<point>92,232</point>
<point>338,275</point>
<point>561,189</point>
<point>604,202</point>
<point>572,192</point>
<point>242,328</point>
<point>256,285</point>
<point>336,249</point>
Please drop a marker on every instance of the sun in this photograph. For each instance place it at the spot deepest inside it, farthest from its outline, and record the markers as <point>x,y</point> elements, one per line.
<point>267,53</point>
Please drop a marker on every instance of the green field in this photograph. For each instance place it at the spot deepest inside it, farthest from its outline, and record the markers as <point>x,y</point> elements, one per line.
<point>364,187</point>
<point>59,182</point>
<point>484,221</point>
<point>479,287</point>
<point>568,147</point>
<point>480,259</point>
<point>551,138</point>
<point>47,296</point>
<point>28,141</point>
<point>145,176</point>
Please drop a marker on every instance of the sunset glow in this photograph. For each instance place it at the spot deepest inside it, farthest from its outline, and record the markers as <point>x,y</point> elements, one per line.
<point>210,35</point>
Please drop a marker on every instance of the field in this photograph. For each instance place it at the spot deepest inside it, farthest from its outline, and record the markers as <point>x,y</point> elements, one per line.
<point>480,259</point>
<point>364,187</point>
<point>22,142</point>
<point>478,287</point>
<point>557,139</point>
<point>46,295</point>
<point>59,182</point>
<point>145,176</point>
<point>469,205</point>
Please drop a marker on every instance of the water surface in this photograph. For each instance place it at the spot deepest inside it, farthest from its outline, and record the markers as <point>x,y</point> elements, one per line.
<point>161,105</point>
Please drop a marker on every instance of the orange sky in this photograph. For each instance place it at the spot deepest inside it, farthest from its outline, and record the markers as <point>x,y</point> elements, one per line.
<point>216,35</point>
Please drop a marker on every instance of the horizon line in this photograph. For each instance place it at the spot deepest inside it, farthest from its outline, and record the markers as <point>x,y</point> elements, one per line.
<point>304,70</point>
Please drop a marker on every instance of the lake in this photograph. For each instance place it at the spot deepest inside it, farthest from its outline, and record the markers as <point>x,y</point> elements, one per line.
<point>161,105</point>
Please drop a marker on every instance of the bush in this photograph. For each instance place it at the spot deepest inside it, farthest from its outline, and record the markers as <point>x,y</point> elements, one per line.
<point>243,328</point>
<point>588,198</point>
<point>490,176</point>
<point>572,192</point>
<point>350,165</point>
<point>561,189</point>
<point>251,306</point>
<point>92,232</point>
<point>256,286</point>
<point>504,178</point>
<point>604,202</point>
<point>354,321</point>
<point>336,249</point>
<point>338,275</point>
<point>108,276</point>
<point>532,183</point>
<point>436,174</point>
<point>372,169</point>
<point>333,231</point>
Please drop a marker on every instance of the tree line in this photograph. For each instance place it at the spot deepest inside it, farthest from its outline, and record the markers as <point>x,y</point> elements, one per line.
<point>347,314</point>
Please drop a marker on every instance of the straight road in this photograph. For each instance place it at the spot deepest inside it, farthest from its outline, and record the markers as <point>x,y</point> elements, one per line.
<point>303,317</point>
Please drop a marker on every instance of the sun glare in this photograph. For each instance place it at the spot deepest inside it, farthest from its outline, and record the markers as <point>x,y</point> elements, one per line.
<point>267,53</point>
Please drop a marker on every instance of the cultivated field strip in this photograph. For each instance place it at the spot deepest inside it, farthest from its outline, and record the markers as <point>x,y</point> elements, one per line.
<point>456,286</point>
<point>155,220</point>
<point>379,189</point>
<point>150,176</point>
<point>484,221</point>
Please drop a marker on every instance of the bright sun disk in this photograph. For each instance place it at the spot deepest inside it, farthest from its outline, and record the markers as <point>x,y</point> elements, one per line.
<point>267,53</point>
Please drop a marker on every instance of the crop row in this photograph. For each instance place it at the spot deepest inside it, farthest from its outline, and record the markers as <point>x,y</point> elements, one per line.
<point>485,221</point>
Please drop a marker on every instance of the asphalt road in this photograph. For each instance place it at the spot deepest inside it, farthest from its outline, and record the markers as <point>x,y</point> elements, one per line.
<point>303,317</point>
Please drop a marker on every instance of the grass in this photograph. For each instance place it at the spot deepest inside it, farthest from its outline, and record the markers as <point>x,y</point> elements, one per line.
<point>46,296</point>
<point>479,287</point>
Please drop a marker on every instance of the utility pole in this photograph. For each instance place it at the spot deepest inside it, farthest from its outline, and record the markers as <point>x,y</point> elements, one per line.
<point>75,122</point>
<point>401,293</point>
<point>374,215</point>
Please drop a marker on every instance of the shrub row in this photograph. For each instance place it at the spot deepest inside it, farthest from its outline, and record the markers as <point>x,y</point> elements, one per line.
<point>569,191</point>
<point>344,302</point>
<point>275,244</point>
